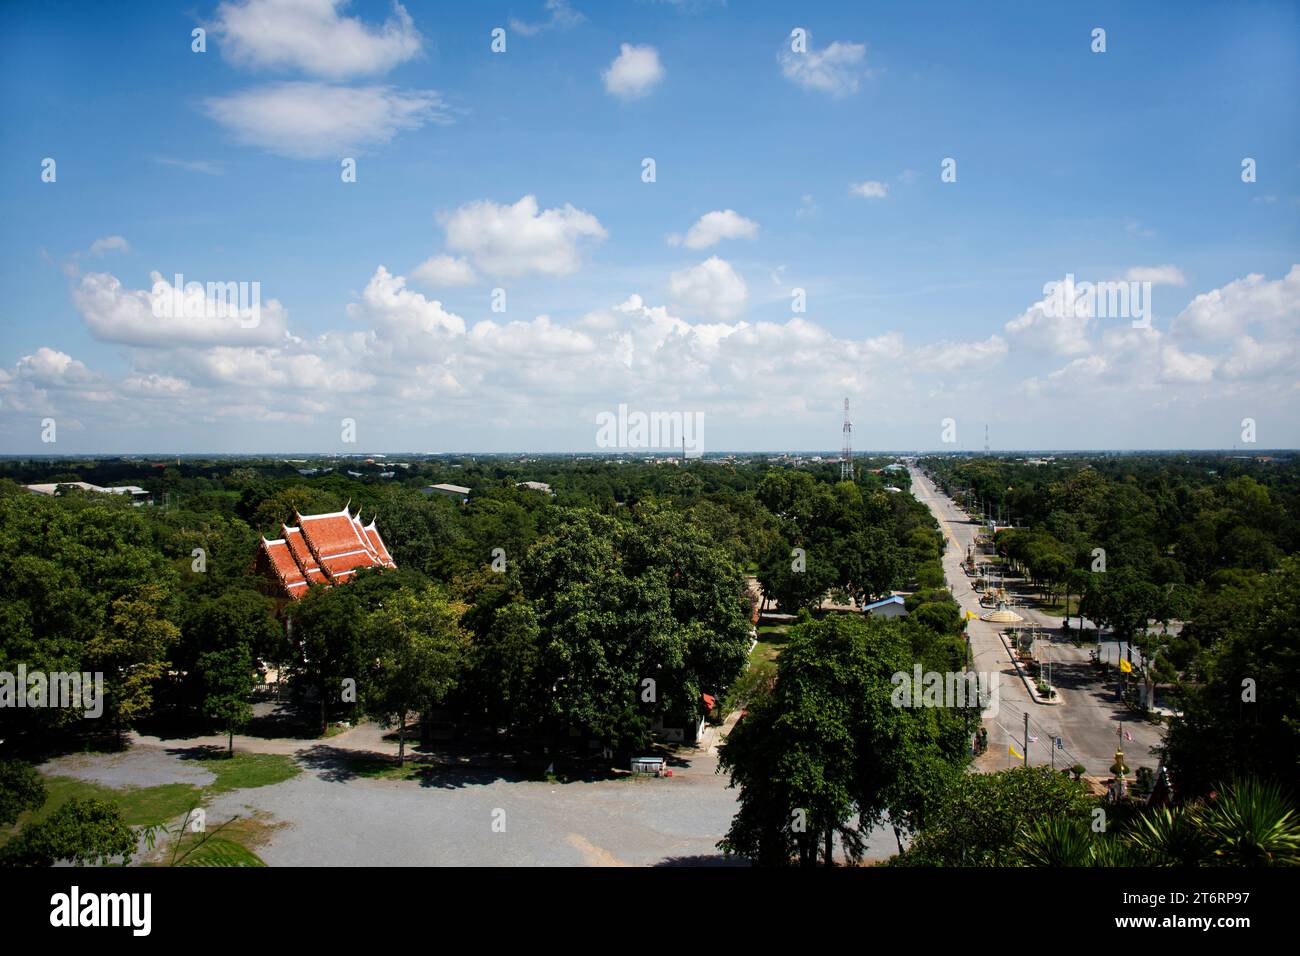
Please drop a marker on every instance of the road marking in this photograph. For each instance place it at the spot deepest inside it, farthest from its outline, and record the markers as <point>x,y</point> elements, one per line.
<point>592,854</point>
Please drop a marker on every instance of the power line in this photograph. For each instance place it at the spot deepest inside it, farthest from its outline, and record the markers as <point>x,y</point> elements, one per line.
<point>1044,732</point>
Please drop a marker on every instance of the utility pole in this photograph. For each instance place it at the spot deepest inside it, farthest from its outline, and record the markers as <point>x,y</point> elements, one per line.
<point>1026,740</point>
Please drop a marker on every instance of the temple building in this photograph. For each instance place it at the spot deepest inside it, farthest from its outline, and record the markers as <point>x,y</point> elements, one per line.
<point>321,549</point>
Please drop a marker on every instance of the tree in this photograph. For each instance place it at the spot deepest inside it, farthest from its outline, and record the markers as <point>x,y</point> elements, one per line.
<point>329,624</point>
<point>64,561</point>
<point>281,507</point>
<point>874,565</point>
<point>228,679</point>
<point>829,752</point>
<point>84,832</point>
<point>978,819</point>
<point>21,788</point>
<point>636,620</point>
<point>222,638</point>
<point>505,662</point>
<point>794,580</point>
<point>421,532</point>
<point>1241,702</point>
<point>131,649</point>
<point>420,651</point>
<point>1075,581</point>
<point>1124,601</point>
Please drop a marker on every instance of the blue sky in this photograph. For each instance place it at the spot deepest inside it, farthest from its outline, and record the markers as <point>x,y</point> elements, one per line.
<point>225,166</point>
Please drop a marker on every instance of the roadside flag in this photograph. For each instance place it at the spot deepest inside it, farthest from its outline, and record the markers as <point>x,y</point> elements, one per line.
<point>1012,749</point>
<point>1033,739</point>
<point>1128,736</point>
<point>1125,667</point>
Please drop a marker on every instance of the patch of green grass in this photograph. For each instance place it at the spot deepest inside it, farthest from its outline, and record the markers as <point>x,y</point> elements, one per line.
<point>771,638</point>
<point>227,843</point>
<point>141,806</point>
<point>243,771</point>
<point>167,803</point>
<point>219,851</point>
<point>1058,608</point>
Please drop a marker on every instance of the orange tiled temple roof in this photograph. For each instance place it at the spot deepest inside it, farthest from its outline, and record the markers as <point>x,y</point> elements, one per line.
<point>322,549</point>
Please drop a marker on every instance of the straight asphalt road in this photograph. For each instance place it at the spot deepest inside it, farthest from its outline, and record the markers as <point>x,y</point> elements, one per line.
<point>1089,717</point>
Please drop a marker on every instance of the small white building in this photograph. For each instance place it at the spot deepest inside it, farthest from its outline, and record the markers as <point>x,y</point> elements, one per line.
<point>891,606</point>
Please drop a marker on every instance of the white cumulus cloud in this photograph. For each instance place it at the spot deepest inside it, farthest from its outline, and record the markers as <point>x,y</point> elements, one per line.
<point>713,227</point>
<point>109,244</point>
<point>388,304</point>
<point>312,36</point>
<point>560,16</point>
<point>1157,275</point>
<point>836,69</point>
<point>711,288</point>
<point>315,120</point>
<point>164,317</point>
<point>440,271</point>
<point>50,367</point>
<point>634,73</point>
<point>1056,324</point>
<point>518,239</point>
<point>1227,312</point>
<point>871,189</point>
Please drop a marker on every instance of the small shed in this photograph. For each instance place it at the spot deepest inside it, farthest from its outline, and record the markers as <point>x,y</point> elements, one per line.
<point>891,606</point>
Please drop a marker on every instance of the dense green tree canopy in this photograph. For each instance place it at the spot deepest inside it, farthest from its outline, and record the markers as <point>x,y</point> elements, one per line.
<point>829,754</point>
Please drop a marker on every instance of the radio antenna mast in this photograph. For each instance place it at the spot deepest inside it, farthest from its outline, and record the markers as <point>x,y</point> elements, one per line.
<point>846,456</point>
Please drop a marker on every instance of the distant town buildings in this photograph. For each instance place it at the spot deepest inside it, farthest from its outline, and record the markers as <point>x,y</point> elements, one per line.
<point>323,549</point>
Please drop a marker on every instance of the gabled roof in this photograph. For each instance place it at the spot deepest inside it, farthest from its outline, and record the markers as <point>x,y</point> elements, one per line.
<point>449,489</point>
<point>892,599</point>
<point>278,560</point>
<point>323,549</point>
<point>302,555</point>
<point>377,545</point>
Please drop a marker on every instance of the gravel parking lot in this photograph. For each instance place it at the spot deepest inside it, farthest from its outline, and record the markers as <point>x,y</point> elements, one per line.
<point>481,818</point>
<point>471,817</point>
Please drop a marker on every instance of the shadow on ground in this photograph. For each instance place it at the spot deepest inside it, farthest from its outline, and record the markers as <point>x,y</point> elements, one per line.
<point>450,769</point>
